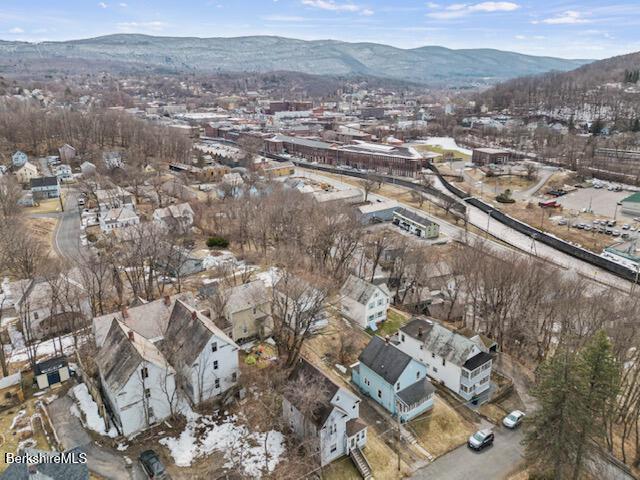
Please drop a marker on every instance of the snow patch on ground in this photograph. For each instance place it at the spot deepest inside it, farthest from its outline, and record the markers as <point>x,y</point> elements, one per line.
<point>90,410</point>
<point>45,349</point>
<point>255,452</point>
<point>270,277</point>
<point>448,143</point>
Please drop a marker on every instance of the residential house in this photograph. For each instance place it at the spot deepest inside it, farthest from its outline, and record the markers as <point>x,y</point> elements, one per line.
<point>393,379</point>
<point>43,314</point>
<point>301,303</point>
<point>364,303</point>
<point>463,365</point>
<point>87,169</point>
<point>63,172</point>
<point>415,223</point>
<point>334,424</point>
<point>247,312</point>
<point>119,217</point>
<point>139,385</point>
<point>112,160</point>
<point>175,218</point>
<point>18,159</point>
<point>205,358</point>
<point>26,172</point>
<point>149,319</point>
<point>45,187</point>
<point>114,198</point>
<point>67,152</point>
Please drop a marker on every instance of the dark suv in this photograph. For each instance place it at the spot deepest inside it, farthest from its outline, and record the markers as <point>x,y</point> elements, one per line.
<point>152,465</point>
<point>480,439</point>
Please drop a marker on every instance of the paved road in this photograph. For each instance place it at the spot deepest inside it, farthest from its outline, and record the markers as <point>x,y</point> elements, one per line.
<point>66,240</point>
<point>493,463</point>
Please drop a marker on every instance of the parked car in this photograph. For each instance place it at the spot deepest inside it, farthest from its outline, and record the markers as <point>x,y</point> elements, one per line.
<point>152,465</point>
<point>481,439</point>
<point>513,419</point>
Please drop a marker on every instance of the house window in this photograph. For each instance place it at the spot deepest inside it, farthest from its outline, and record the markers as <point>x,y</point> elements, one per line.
<point>402,337</point>
<point>417,375</point>
<point>214,347</point>
<point>35,315</point>
<point>372,304</point>
<point>147,393</point>
<point>433,355</point>
<point>234,377</point>
<point>144,372</point>
<point>370,317</point>
<point>380,302</point>
<point>397,386</point>
<point>334,447</point>
<point>217,383</point>
<point>484,380</point>
<point>215,364</point>
<point>379,393</point>
<point>443,362</point>
<point>435,369</point>
<point>150,412</point>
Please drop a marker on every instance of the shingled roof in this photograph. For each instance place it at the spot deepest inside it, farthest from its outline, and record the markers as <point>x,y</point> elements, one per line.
<point>121,355</point>
<point>452,346</point>
<point>385,359</point>
<point>360,290</point>
<point>309,374</point>
<point>188,331</point>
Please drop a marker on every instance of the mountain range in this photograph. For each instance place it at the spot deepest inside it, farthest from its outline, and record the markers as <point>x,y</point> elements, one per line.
<point>430,65</point>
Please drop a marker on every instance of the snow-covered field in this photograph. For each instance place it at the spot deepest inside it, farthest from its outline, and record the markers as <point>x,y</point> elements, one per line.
<point>255,452</point>
<point>448,143</point>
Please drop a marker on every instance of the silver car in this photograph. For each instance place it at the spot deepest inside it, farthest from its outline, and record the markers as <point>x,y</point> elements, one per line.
<point>513,419</point>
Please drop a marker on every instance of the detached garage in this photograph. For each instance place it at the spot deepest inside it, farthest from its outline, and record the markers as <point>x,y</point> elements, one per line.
<point>51,372</point>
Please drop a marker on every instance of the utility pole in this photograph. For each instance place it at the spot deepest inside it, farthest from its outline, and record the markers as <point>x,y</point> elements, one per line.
<point>399,436</point>
<point>488,219</point>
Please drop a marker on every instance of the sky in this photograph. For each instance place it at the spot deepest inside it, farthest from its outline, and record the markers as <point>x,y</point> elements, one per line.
<point>590,29</point>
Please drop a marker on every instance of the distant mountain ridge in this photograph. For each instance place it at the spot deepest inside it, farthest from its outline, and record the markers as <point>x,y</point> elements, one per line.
<point>428,65</point>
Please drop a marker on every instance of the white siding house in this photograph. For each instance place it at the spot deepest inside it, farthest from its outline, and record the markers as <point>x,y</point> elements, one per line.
<point>461,364</point>
<point>136,379</point>
<point>334,425</point>
<point>364,303</point>
<point>185,356</point>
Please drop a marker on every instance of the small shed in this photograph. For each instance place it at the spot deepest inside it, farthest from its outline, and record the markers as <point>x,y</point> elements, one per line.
<point>11,391</point>
<point>51,372</point>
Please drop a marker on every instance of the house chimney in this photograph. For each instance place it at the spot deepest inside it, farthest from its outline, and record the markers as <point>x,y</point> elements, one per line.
<point>420,332</point>
<point>167,300</point>
<point>194,315</point>
<point>130,335</point>
<point>125,312</point>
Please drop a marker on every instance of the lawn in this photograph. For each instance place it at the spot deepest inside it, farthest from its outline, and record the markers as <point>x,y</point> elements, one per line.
<point>442,429</point>
<point>51,205</point>
<point>395,320</point>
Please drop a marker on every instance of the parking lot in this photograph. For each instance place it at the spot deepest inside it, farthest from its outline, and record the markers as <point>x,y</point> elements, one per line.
<point>601,201</point>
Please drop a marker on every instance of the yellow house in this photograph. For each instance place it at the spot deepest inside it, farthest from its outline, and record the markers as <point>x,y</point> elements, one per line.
<point>25,173</point>
<point>248,312</point>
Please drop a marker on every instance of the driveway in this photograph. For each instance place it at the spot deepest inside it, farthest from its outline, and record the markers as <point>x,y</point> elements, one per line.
<point>493,463</point>
<point>101,460</point>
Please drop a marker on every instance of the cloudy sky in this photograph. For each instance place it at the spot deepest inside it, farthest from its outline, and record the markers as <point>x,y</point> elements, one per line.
<point>571,29</point>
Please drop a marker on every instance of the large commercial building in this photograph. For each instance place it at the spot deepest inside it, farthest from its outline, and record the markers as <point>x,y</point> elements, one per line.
<point>388,159</point>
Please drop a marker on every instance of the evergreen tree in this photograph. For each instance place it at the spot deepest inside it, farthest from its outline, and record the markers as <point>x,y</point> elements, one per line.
<point>600,376</point>
<point>597,126</point>
<point>635,125</point>
<point>552,438</point>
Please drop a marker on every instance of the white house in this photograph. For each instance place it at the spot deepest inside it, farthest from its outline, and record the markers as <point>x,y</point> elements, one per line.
<point>176,218</point>
<point>157,353</point>
<point>26,172</point>
<point>118,218</point>
<point>139,385</point>
<point>463,365</point>
<point>87,169</point>
<point>205,358</point>
<point>364,303</point>
<point>64,172</point>
<point>334,425</point>
<point>66,152</point>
